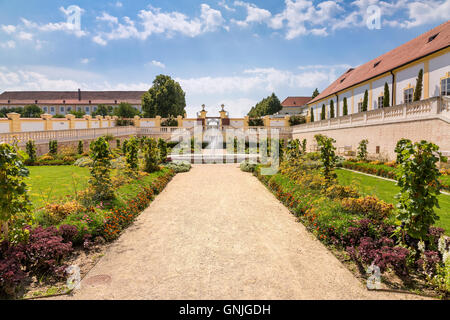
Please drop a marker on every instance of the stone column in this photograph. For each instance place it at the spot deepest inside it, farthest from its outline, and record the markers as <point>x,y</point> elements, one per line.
<point>100,121</point>
<point>14,122</point>
<point>137,121</point>
<point>180,121</point>
<point>267,121</point>
<point>48,124</point>
<point>108,119</point>
<point>88,119</point>
<point>71,119</point>
<point>246,118</point>
<point>286,121</point>
<point>158,121</point>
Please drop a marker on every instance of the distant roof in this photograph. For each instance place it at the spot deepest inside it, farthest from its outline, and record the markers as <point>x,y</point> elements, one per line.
<point>425,44</point>
<point>295,101</point>
<point>70,97</point>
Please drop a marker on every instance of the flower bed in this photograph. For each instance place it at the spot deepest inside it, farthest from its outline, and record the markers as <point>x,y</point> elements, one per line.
<point>361,229</point>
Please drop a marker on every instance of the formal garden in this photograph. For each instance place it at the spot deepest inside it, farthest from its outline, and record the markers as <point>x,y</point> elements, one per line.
<point>69,202</point>
<point>397,226</point>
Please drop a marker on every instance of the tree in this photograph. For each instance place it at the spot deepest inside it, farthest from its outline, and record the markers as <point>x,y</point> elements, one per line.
<point>365,101</point>
<point>362,150</point>
<point>315,93</point>
<point>345,107</point>
<point>14,198</point>
<point>386,98</point>
<point>78,114</point>
<point>312,115</point>
<point>165,98</point>
<point>331,109</point>
<point>322,114</point>
<point>418,179</point>
<point>32,111</point>
<point>103,110</point>
<point>101,170</point>
<point>266,106</point>
<point>31,151</point>
<point>162,146</point>
<point>419,83</point>
<point>131,156</point>
<point>151,155</point>
<point>126,110</point>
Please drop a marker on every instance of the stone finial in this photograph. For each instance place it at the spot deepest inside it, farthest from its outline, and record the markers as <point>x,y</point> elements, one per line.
<point>87,117</point>
<point>13,116</point>
<point>46,116</point>
<point>70,116</point>
<point>99,117</point>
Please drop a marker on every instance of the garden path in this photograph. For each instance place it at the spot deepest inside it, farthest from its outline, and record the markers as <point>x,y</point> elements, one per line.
<point>218,233</point>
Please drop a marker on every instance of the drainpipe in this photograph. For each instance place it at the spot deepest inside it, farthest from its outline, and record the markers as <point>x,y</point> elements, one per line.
<point>393,90</point>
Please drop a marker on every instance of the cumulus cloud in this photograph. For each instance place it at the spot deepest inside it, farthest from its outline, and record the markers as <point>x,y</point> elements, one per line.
<point>154,21</point>
<point>158,64</point>
<point>254,14</point>
<point>8,44</point>
<point>9,29</point>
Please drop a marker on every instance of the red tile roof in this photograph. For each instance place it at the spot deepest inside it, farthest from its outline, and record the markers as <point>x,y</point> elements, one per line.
<point>295,101</point>
<point>70,97</point>
<point>406,53</point>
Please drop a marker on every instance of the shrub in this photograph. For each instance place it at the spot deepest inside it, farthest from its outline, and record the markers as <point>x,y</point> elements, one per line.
<point>101,170</point>
<point>341,192</point>
<point>248,166</point>
<point>84,162</point>
<point>80,147</point>
<point>369,206</point>
<point>117,143</point>
<point>162,146</point>
<point>53,147</point>
<point>14,198</point>
<point>54,213</point>
<point>362,150</point>
<point>179,166</point>
<point>132,149</point>
<point>86,223</point>
<point>327,155</point>
<point>170,122</point>
<point>296,120</point>
<point>256,122</point>
<point>151,156</point>
<point>31,151</point>
<point>419,186</point>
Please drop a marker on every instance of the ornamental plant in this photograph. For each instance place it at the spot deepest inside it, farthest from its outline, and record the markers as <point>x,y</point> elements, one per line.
<point>312,115</point>
<point>304,146</point>
<point>162,146</point>
<point>365,101</point>
<point>331,109</point>
<point>418,179</point>
<point>322,114</point>
<point>362,150</point>
<point>386,98</point>
<point>131,155</point>
<point>101,170</point>
<point>151,156</point>
<point>14,199</point>
<point>31,151</point>
<point>328,156</point>
<point>419,84</point>
<point>53,147</point>
<point>345,107</point>
<point>124,147</point>
<point>80,147</point>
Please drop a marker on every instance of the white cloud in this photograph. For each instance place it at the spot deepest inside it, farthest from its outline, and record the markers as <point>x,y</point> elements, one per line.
<point>8,44</point>
<point>158,64</point>
<point>25,36</point>
<point>154,21</point>
<point>85,61</point>
<point>224,5</point>
<point>119,4</point>
<point>420,13</point>
<point>254,14</point>
<point>9,29</point>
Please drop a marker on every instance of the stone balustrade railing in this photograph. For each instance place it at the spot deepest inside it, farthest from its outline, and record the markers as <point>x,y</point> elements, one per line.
<point>436,107</point>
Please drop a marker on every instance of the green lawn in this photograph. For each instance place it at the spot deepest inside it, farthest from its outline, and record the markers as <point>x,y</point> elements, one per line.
<point>386,190</point>
<point>50,183</point>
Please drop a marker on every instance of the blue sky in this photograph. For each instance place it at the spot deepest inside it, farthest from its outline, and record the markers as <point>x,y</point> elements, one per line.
<point>221,51</point>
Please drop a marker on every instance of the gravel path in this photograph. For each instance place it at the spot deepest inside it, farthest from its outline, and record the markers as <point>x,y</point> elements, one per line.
<point>218,233</point>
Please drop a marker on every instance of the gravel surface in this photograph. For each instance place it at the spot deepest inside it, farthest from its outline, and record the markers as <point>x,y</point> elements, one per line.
<point>218,233</point>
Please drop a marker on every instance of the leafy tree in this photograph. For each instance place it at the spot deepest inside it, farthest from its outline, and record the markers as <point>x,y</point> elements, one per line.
<point>315,93</point>
<point>322,114</point>
<point>78,114</point>
<point>257,122</point>
<point>418,179</point>
<point>32,111</point>
<point>14,198</point>
<point>331,109</point>
<point>328,156</point>
<point>5,111</point>
<point>362,150</point>
<point>419,84</point>
<point>345,107</point>
<point>401,144</point>
<point>170,122</point>
<point>387,98</point>
<point>103,110</point>
<point>126,110</point>
<point>101,170</point>
<point>365,101</point>
<point>165,98</point>
<point>266,106</point>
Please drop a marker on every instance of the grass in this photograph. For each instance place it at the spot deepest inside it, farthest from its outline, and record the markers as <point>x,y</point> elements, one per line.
<point>386,190</point>
<point>52,183</point>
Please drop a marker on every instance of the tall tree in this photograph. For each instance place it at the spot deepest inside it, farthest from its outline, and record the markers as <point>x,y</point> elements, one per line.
<point>315,93</point>
<point>331,109</point>
<point>345,107</point>
<point>312,115</point>
<point>322,114</point>
<point>365,101</point>
<point>165,98</point>
<point>419,83</point>
<point>386,98</point>
<point>266,106</point>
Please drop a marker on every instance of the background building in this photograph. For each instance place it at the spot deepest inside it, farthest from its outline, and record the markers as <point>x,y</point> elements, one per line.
<point>294,106</point>
<point>63,102</point>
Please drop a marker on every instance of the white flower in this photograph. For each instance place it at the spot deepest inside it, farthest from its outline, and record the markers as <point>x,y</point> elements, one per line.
<point>421,246</point>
